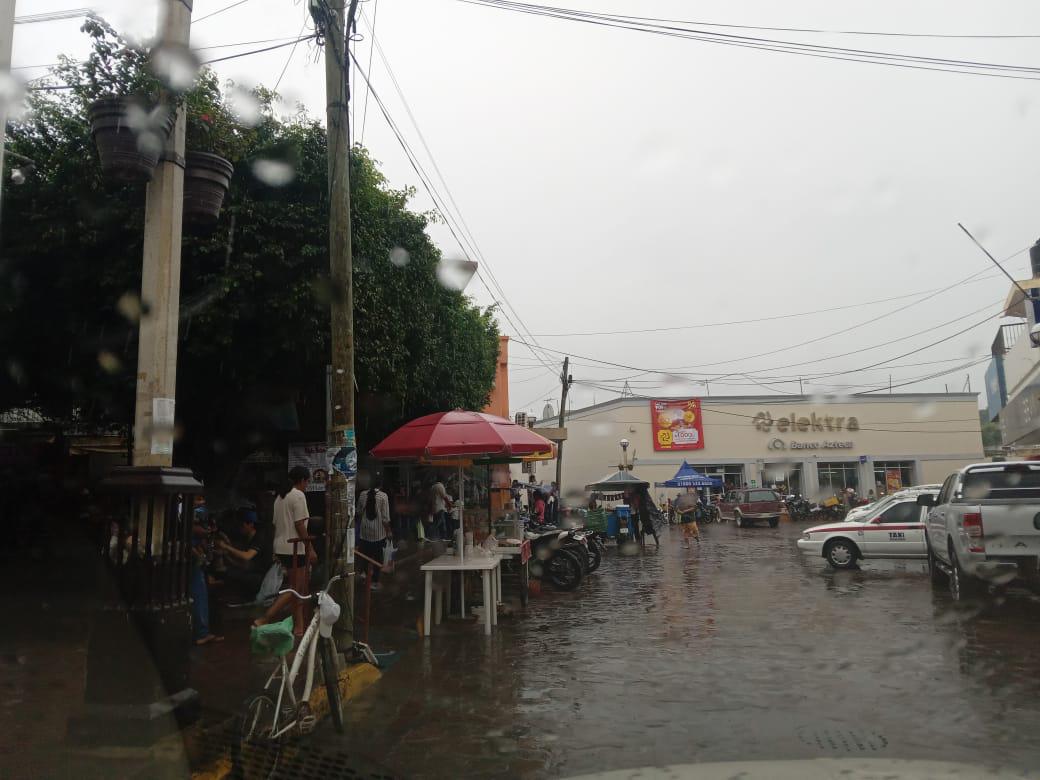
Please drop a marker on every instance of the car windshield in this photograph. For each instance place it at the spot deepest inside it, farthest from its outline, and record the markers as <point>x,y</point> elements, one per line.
<point>546,333</point>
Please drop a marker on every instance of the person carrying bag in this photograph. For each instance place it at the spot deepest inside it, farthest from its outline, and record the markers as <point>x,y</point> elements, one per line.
<point>373,507</point>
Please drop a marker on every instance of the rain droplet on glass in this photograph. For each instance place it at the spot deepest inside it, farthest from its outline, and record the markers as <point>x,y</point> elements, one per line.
<point>455,273</point>
<point>273,173</point>
<point>176,66</point>
<point>244,106</point>
<point>129,305</point>
<point>399,256</point>
<point>109,362</point>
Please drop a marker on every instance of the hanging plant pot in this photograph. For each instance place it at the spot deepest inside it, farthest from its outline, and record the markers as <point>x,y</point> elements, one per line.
<point>207,178</point>
<point>129,151</point>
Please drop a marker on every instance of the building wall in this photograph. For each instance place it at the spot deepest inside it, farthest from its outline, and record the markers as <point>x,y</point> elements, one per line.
<point>937,433</point>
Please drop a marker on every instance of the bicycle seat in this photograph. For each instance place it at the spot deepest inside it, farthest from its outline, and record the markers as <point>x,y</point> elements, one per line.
<point>272,638</point>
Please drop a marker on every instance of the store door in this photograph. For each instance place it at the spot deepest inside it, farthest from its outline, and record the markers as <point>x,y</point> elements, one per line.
<point>787,477</point>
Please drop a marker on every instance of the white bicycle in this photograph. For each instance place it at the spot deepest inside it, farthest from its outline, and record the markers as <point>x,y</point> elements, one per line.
<point>281,709</point>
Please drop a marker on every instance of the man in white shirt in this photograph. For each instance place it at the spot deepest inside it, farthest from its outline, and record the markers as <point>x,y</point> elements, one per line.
<point>290,522</point>
<point>373,511</point>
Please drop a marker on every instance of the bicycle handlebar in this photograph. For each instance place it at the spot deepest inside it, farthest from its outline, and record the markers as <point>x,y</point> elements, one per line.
<point>301,597</point>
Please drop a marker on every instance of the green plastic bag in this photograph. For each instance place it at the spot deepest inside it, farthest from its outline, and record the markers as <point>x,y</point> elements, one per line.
<point>272,638</point>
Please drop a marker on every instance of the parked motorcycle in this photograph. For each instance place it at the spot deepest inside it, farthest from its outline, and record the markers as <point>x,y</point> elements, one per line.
<point>798,507</point>
<point>563,555</point>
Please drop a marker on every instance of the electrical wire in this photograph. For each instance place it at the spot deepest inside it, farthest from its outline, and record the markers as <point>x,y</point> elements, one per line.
<point>988,36</point>
<point>53,16</point>
<point>292,42</point>
<point>889,59</point>
<point>456,228</point>
<point>288,59</point>
<point>371,51</point>
<point>462,224</point>
<point>219,11</point>
<point>757,320</point>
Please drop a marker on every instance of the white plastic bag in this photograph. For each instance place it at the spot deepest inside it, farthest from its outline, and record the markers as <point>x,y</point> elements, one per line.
<point>271,583</point>
<point>388,554</point>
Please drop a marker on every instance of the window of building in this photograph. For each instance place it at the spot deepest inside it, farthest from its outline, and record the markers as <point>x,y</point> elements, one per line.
<point>885,473</point>
<point>836,477</point>
<point>732,474</point>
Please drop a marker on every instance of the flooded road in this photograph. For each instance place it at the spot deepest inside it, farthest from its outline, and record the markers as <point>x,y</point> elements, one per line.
<point>738,649</point>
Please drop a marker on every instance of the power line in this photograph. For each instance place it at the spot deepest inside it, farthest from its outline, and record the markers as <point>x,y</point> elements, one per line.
<point>462,224</point>
<point>756,320</point>
<point>889,59</point>
<point>371,51</point>
<point>218,11</point>
<point>455,228</point>
<point>53,16</point>
<point>292,42</point>
<point>288,59</point>
<point>830,32</point>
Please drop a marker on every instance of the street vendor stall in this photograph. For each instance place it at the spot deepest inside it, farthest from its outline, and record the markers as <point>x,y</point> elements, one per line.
<point>462,439</point>
<point>612,489</point>
<point>688,477</point>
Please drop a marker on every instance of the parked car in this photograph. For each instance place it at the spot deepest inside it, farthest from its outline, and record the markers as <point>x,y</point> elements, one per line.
<point>984,526</point>
<point>895,529</point>
<point>873,509</point>
<point>745,507</point>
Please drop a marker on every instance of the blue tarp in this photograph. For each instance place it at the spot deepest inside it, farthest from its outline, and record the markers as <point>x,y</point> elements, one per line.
<point>688,476</point>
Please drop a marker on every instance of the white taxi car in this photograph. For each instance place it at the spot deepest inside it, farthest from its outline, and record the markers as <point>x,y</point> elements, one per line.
<point>894,530</point>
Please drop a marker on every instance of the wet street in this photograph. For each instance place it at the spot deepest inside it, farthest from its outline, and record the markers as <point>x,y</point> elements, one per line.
<point>740,649</point>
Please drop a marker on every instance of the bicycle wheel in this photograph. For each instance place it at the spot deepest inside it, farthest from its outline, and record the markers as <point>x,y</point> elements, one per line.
<point>253,753</point>
<point>327,649</point>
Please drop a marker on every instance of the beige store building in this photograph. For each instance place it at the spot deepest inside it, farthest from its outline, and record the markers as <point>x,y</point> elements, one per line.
<point>816,446</point>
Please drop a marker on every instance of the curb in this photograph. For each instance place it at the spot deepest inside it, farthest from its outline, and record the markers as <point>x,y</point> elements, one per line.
<point>352,681</point>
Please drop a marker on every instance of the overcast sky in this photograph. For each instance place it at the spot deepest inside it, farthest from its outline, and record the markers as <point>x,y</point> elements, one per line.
<point>615,180</point>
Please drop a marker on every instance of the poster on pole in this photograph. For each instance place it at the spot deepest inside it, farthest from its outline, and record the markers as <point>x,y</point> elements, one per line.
<point>677,425</point>
<point>311,455</point>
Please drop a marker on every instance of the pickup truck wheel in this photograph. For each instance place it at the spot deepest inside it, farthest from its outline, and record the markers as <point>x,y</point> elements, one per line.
<point>774,522</point>
<point>738,519</point>
<point>841,553</point>
<point>962,584</point>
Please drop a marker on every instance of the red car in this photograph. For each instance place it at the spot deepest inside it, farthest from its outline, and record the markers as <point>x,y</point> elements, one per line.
<point>746,506</point>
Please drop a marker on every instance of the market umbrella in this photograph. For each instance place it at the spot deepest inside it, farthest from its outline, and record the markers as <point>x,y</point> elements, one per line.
<point>688,476</point>
<point>460,438</point>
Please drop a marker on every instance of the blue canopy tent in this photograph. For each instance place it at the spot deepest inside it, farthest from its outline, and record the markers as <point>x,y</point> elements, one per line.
<point>687,476</point>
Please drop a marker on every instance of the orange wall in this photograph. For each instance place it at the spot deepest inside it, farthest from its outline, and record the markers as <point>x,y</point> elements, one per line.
<point>498,403</point>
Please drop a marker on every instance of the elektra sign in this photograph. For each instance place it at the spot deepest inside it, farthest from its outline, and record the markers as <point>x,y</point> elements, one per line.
<point>766,423</point>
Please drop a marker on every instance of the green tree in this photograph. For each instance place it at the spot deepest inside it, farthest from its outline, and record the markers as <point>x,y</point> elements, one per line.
<point>254,335</point>
<point>991,436</point>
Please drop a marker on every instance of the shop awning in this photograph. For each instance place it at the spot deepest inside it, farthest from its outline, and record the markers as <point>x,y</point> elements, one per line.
<point>688,476</point>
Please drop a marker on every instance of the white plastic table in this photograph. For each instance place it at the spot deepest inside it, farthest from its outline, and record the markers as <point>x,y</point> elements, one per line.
<point>486,565</point>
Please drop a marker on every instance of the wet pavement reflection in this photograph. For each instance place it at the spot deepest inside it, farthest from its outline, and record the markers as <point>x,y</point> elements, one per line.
<point>738,649</point>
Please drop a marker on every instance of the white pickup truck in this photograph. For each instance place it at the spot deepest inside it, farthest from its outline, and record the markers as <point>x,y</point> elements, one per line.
<point>984,526</point>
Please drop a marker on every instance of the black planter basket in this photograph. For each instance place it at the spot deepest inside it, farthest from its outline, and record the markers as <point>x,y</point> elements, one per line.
<point>207,178</point>
<point>122,155</point>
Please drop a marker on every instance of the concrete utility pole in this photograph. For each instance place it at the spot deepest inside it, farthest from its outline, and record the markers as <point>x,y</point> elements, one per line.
<point>6,44</point>
<point>161,277</point>
<point>339,497</point>
<point>565,379</point>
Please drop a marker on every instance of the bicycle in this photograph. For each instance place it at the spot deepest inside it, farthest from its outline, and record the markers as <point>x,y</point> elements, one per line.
<point>269,718</point>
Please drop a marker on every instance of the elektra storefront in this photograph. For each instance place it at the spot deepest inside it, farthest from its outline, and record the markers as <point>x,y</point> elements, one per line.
<point>813,445</point>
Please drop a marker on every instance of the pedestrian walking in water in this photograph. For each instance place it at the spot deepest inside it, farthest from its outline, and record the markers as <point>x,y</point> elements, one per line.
<point>687,506</point>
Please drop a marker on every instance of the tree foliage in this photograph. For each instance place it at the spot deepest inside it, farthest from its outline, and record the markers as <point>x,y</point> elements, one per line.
<point>254,334</point>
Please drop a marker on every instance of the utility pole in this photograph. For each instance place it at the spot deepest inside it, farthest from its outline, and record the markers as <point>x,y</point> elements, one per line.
<point>161,277</point>
<point>565,379</point>
<point>339,496</point>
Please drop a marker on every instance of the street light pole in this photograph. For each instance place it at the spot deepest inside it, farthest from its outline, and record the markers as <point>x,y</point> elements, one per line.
<point>161,277</point>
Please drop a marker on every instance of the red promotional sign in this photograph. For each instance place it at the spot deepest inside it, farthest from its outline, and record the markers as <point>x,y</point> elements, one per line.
<point>677,425</point>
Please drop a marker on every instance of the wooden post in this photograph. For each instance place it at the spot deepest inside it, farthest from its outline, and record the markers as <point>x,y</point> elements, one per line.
<point>339,501</point>
<point>565,379</point>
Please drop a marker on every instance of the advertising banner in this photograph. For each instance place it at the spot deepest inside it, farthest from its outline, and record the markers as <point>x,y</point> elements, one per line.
<point>893,480</point>
<point>677,425</point>
<point>311,456</point>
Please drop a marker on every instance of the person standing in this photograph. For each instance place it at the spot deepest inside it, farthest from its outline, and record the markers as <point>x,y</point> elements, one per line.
<point>687,505</point>
<point>201,533</point>
<point>290,522</point>
<point>441,503</point>
<point>539,507</point>
<point>373,508</point>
